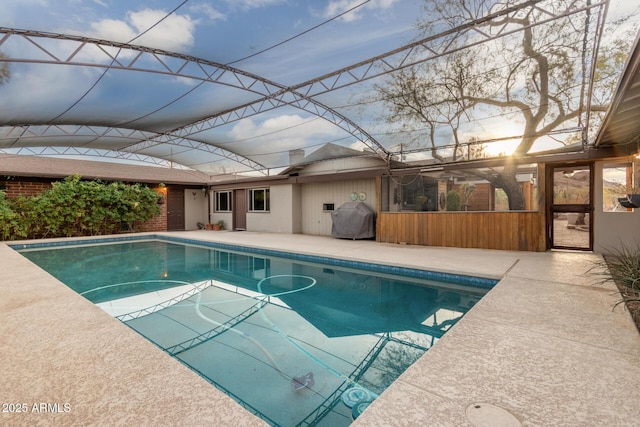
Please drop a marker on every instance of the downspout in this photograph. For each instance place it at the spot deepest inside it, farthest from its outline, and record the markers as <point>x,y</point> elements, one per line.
<point>208,187</point>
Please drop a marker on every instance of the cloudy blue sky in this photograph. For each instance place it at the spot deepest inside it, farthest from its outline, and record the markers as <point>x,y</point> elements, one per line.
<point>228,30</point>
<point>286,41</point>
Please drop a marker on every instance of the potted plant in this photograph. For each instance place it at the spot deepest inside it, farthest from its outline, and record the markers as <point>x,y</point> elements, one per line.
<point>634,196</point>
<point>466,195</point>
<point>421,203</point>
<point>219,225</point>
<point>453,201</point>
<point>632,200</point>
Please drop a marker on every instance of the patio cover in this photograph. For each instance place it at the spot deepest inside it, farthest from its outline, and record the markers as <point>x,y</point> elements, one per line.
<point>233,87</point>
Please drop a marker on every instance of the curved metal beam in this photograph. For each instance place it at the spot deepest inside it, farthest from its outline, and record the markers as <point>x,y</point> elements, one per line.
<point>290,98</point>
<point>411,54</point>
<point>91,152</point>
<point>186,66</point>
<point>140,140</point>
<point>159,61</point>
<point>275,95</point>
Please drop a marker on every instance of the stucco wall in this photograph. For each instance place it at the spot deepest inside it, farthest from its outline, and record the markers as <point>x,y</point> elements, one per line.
<point>280,218</point>
<point>195,208</point>
<point>225,217</point>
<point>296,225</point>
<point>342,164</point>
<point>315,220</point>
<point>612,229</point>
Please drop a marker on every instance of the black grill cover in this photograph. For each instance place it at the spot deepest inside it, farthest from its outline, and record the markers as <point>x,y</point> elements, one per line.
<point>353,220</point>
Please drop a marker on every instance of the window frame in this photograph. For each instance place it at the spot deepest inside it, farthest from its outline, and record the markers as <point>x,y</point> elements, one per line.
<point>266,199</point>
<point>217,201</point>
<point>427,190</point>
<point>624,186</point>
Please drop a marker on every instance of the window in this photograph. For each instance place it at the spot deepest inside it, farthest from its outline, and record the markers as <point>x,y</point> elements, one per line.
<point>259,200</point>
<point>260,268</point>
<point>459,189</point>
<point>223,201</point>
<point>222,261</point>
<point>419,193</point>
<point>617,178</point>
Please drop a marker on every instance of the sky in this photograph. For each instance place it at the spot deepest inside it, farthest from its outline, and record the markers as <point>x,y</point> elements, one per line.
<point>285,41</point>
<point>221,31</point>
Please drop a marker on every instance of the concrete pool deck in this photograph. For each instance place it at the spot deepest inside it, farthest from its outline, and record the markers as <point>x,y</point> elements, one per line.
<point>543,348</point>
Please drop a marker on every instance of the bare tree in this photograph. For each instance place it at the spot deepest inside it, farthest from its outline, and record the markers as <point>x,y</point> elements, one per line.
<point>5,73</point>
<point>536,75</point>
<point>416,99</point>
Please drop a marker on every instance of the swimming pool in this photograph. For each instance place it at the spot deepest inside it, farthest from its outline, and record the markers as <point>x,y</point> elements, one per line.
<point>295,341</point>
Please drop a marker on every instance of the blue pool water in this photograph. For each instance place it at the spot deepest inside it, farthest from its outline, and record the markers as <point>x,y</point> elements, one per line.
<point>294,341</point>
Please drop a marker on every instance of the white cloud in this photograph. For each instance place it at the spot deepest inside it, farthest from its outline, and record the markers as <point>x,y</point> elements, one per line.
<point>335,7</point>
<point>208,11</point>
<point>51,89</point>
<point>358,145</point>
<point>253,4</point>
<point>174,33</point>
<point>12,12</point>
<point>291,123</point>
<point>112,29</point>
<point>101,3</point>
<point>282,133</point>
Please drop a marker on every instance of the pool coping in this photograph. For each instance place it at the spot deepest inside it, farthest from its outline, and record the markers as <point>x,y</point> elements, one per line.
<point>542,363</point>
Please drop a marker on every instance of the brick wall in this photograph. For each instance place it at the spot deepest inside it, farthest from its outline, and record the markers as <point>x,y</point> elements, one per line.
<point>16,186</point>
<point>157,223</point>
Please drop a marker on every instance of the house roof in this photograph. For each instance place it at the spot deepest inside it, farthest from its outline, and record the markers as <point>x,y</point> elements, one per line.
<point>50,167</point>
<point>328,151</point>
<point>621,126</point>
<point>331,151</point>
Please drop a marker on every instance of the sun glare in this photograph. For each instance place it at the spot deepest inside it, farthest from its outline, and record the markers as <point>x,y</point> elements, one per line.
<point>500,138</point>
<point>501,148</point>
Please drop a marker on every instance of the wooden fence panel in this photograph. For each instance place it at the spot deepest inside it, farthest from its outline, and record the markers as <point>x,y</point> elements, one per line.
<point>516,231</point>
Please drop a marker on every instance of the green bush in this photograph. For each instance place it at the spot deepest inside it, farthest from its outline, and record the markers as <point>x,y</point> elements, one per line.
<point>10,224</point>
<point>453,201</point>
<point>74,207</point>
<point>421,203</point>
<point>622,266</point>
